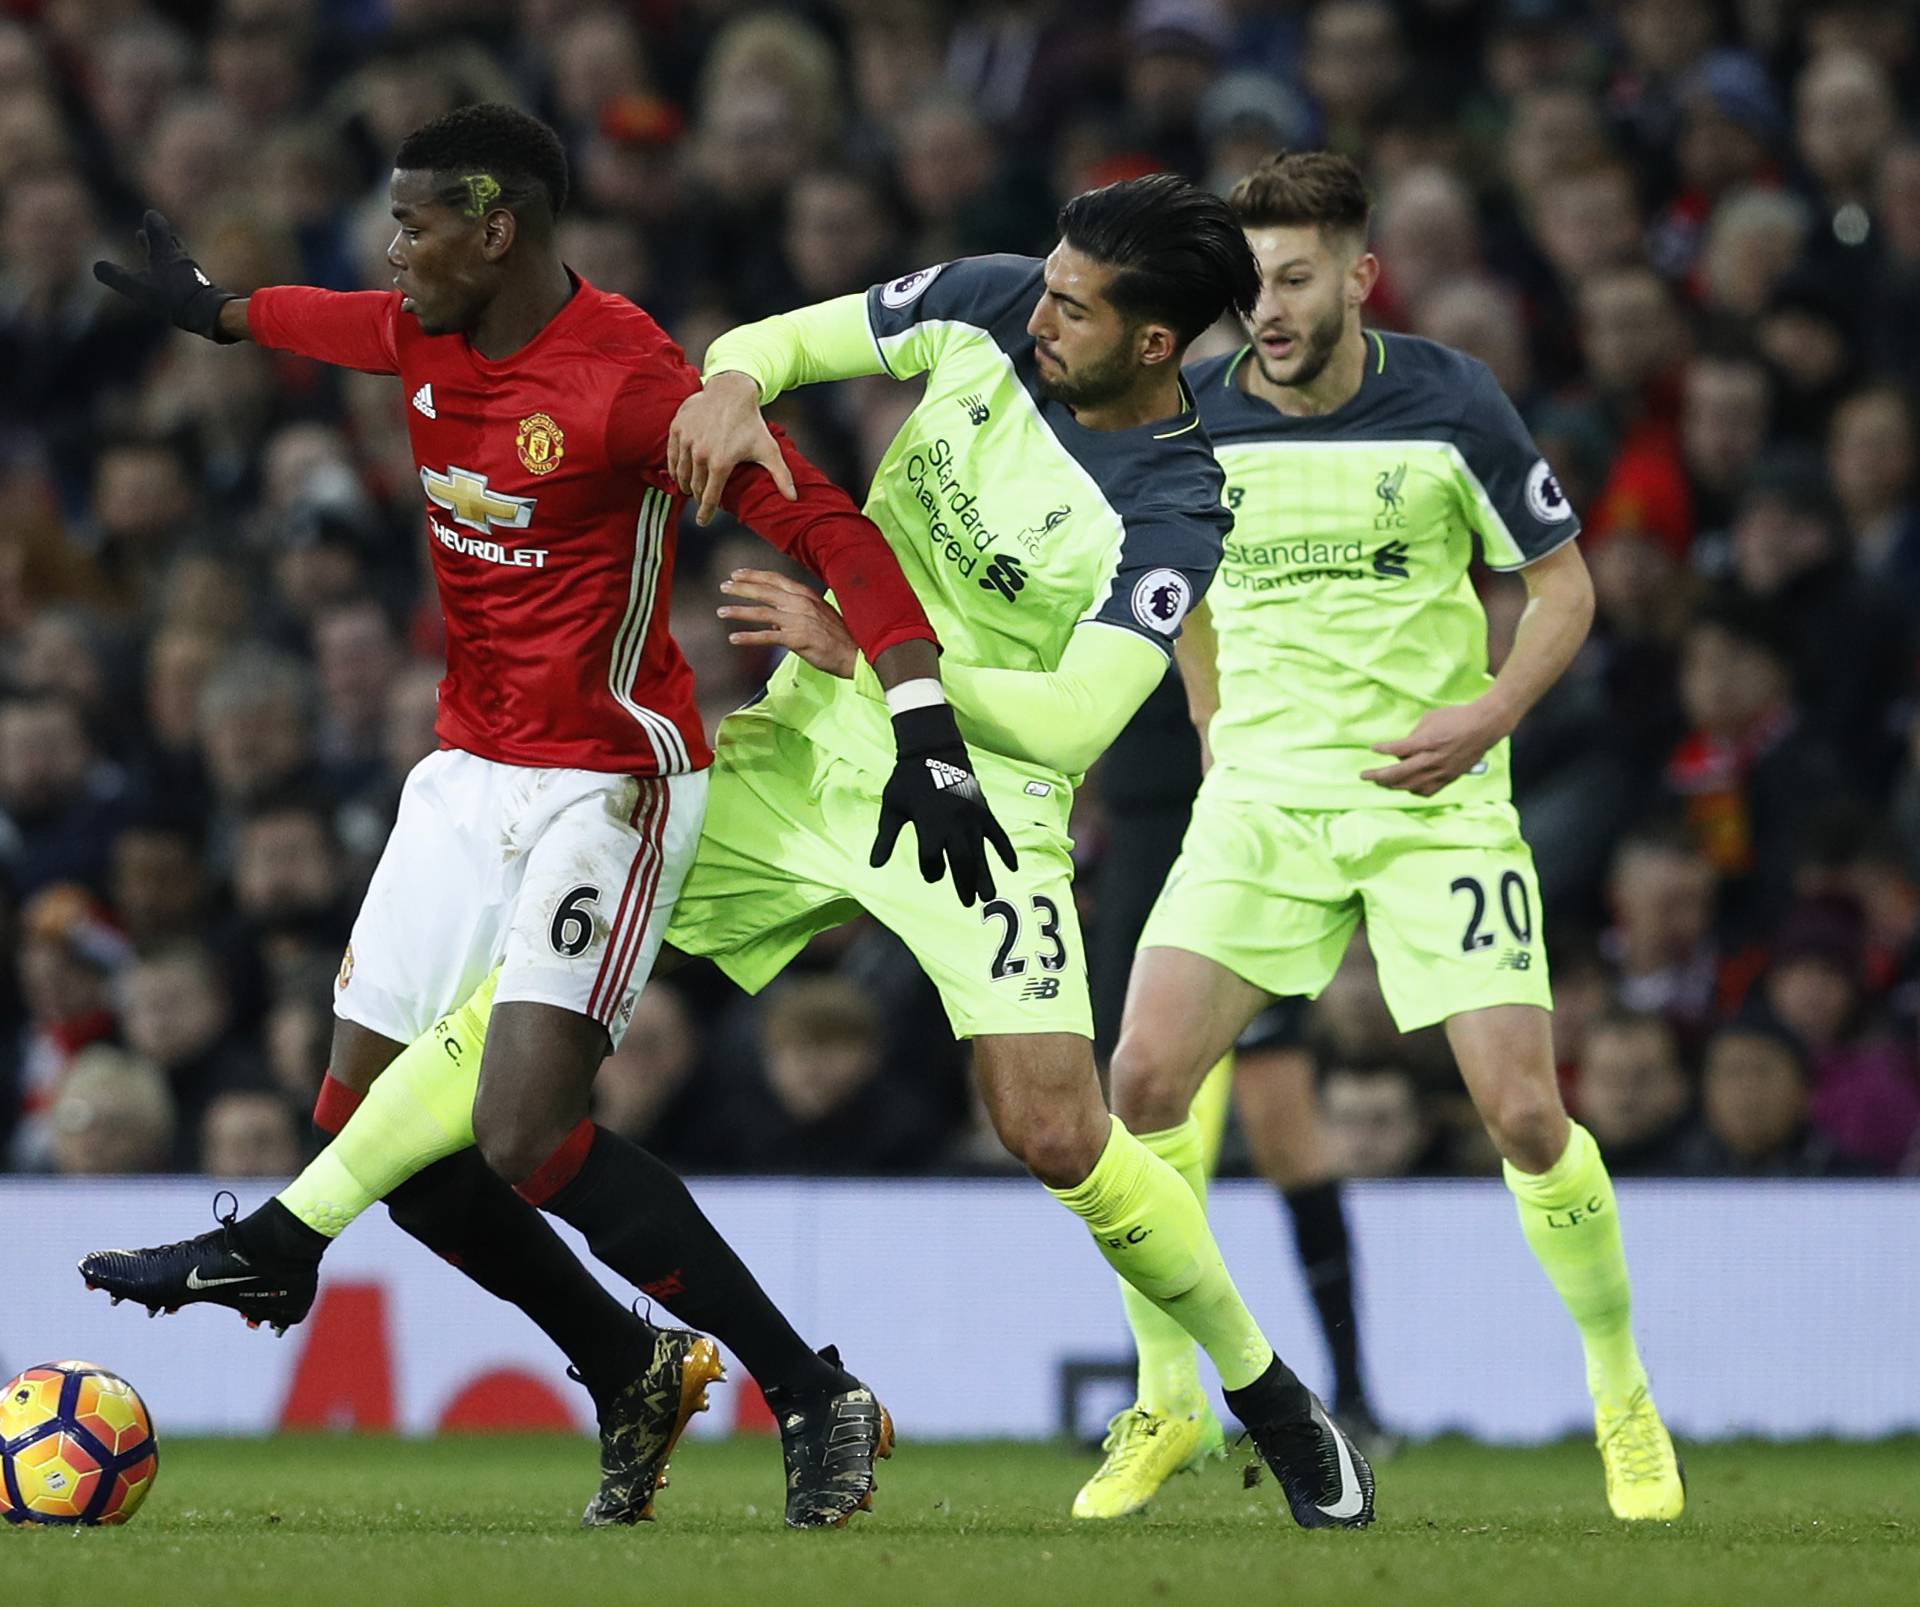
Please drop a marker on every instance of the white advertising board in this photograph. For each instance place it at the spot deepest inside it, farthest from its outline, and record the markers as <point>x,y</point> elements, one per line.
<point>1776,1309</point>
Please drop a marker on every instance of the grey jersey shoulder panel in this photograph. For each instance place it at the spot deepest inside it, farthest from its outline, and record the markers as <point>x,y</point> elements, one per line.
<point>1409,388</point>
<point>995,294</point>
<point>1414,389</point>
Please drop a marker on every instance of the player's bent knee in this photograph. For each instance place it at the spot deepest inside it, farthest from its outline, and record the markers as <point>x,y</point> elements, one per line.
<point>1151,1091</point>
<point>513,1147</point>
<point>1529,1126</point>
<point>1060,1153</point>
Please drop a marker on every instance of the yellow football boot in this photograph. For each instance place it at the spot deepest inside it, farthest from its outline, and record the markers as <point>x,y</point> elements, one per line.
<point>1644,1476</point>
<point>1145,1449</point>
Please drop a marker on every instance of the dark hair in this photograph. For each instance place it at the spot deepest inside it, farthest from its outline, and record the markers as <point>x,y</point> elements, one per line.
<point>1620,1018</point>
<point>1750,621</point>
<point>491,154</point>
<point>1732,348</point>
<point>1763,1024</point>
<point>280,802</point>
<point>1182,259</point>
<point>1664,833</point>
<point>182,445</point>
<point>1293,189</point>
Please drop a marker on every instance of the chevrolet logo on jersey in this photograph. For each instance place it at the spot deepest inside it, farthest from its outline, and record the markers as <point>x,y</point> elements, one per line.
<point>464,494</point>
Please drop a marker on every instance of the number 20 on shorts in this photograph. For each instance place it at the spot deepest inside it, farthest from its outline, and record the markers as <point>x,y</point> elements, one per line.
<point>1515,905</point>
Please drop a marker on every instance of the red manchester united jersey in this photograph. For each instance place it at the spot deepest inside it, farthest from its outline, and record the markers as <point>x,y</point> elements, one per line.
<point>552,520</point>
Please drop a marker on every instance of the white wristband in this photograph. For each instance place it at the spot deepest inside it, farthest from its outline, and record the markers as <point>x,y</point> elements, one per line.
<point>925,693</point>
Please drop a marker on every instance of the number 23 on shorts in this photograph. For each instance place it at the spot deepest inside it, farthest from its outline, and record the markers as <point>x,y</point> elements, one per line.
<point>1033,942</point>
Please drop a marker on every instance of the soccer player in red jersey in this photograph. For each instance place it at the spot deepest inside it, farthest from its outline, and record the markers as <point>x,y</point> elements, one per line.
<point>551,832</point>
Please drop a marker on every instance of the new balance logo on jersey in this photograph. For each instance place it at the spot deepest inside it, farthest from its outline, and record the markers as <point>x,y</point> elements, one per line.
<point>1041,987</point>
<point>1007,576</point>
<point>1390,560</point>
<point>977,411</point>
<point>423,401</point>
<point>1514,960</point>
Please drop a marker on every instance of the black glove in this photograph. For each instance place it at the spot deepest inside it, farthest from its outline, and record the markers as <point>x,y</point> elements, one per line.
<point>933,785</point>
<point>171,286</point>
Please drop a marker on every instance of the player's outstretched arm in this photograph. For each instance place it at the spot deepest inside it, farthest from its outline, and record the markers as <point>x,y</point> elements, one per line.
<point>1063,718</point>
<point>175,287</point>
<point>1450,741</point>
<point>351,328</point>
<point>720,427</point>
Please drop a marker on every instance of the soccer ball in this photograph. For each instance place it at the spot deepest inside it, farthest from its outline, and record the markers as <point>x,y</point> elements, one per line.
<point>76,1446</point>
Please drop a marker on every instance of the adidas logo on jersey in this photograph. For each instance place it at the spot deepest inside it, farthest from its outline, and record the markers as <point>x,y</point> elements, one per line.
<point>423,401</point>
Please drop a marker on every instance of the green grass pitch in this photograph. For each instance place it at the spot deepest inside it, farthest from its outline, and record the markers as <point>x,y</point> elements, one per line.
<point>474,1522</point>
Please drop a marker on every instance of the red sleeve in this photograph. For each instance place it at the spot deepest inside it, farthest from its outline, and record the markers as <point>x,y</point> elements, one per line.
<point>823,529</point>
<point>351,329</point>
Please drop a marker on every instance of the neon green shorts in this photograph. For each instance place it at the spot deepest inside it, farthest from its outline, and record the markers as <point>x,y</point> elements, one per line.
<point>783,856</point>
<point>1449,894</point>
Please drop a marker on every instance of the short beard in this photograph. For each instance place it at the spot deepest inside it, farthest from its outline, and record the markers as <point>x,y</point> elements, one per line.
<point>1321,342</point>
<point>1096,384</point>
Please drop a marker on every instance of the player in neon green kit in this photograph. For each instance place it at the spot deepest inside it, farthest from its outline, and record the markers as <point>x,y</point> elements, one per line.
<point>1357,764</point>
<point>1049,528</point>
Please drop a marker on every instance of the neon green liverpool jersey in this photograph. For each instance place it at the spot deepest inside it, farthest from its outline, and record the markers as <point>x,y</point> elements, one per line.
<point>1015,525</point>
<point>1343,604</point>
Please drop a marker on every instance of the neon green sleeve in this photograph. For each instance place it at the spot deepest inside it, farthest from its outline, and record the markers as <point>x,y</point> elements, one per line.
<point>1064,718</point>
<point>829,340</point>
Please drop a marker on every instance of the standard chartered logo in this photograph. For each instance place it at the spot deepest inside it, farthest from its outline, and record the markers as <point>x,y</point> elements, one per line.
<point>956,529</point>
<point>1269,566</point>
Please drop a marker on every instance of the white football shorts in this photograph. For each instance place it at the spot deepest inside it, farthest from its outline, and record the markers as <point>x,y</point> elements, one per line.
<point>563,878</point>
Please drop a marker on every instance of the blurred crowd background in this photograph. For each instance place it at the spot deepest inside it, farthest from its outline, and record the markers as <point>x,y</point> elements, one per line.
<point>1684,234</point>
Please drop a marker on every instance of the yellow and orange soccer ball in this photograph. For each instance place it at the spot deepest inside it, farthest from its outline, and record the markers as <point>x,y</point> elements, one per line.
<point>76,1446</point>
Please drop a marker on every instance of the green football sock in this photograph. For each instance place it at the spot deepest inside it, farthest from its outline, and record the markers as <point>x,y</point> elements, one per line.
<point>1169,1372</point>
<point>1570,1219</point>
<point>1169,1375</point>
<point>1211,1102</point>
<point>419,1109</point>
<point>1151,1227</point>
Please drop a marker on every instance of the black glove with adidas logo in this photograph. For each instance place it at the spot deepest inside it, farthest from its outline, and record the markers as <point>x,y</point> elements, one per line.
<point>934,787</point>
<point>171,286</point>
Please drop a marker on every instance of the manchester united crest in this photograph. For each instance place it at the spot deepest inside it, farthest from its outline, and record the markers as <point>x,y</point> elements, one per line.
<point>542,444</point>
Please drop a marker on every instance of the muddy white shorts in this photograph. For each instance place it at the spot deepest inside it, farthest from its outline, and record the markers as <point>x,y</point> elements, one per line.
<point>563,878</point>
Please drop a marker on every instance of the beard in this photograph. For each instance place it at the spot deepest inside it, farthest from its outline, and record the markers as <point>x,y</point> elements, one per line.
<point>1095,383</point>
<point>1316,351</point>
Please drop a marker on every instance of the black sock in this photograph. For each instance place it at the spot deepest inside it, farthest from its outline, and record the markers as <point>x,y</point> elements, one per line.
<point>1320,1232</point>
<point>273,1230</point>
<point>459,1209</point>
<point>641,1221</point>
<point>1276,1396</point>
